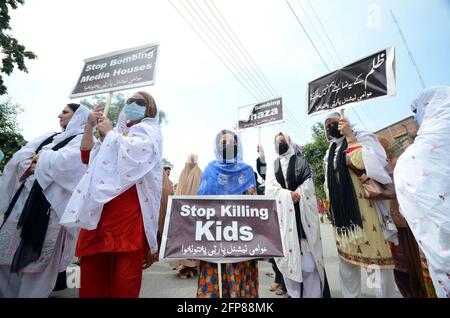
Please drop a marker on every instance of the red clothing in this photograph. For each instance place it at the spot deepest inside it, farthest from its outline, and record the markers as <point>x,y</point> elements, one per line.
<point>120,228</point>
<point>111,275</point>
<point>351,149</point>
<point>85,156</point>
<point>112,254</point>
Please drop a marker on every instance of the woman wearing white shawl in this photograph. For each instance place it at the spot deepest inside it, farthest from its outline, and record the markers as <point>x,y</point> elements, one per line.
<point>34,190</point>
<point>422,183</point>
<point>117,201</point>
<point>363,228</point>
<point>290,181</point>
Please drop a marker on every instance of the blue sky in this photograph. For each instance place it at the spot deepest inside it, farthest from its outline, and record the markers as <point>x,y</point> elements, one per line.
<point>196,90</point>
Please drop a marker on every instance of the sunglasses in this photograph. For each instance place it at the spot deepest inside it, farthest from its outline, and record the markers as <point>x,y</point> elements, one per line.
<point>138,101</point>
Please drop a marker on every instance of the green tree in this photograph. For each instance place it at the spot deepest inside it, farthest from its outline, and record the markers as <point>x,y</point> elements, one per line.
<point>10,138</point>
<point>117,103</point>
<point>13,53</point>
<point>314,152</point>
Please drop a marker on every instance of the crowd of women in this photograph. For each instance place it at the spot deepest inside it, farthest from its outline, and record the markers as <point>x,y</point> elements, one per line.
<point>100,193</point>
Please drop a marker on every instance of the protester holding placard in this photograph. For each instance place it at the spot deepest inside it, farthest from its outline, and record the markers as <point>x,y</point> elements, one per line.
<point>34,190</point>
<point>228,175</point>
<point>290,181</point>
<point>363,227</point>
<point>117,201</point>
<point>422,182</point>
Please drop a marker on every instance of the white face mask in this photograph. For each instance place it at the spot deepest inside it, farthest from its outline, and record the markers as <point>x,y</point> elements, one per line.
<point>134,112</point>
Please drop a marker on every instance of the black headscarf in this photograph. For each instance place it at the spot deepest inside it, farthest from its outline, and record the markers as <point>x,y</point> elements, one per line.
<point>344,203</point>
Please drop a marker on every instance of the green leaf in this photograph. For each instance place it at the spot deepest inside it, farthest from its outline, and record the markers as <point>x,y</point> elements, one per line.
<point>14,54</point>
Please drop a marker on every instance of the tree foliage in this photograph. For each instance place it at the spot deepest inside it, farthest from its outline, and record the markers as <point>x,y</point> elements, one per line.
<point>13,53</point>
<point>10,138</point>
<point>314,153</point>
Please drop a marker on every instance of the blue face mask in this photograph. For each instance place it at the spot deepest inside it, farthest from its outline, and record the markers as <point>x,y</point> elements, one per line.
<point>134,112</point>
<point>1,155</point>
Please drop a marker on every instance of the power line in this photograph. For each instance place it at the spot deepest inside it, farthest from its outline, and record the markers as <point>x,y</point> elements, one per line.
<point>337,54</point>
<point>212,50</point>
<point>289,124</point>
<point>317,51</point>
<point>290,120</point>
<point>219,49</point>
<point>326,33</point>
<point>229,49</point>
<point>422,82</point>
<point>244,51</point>
<point>322,42</point>
<point>304,30</point>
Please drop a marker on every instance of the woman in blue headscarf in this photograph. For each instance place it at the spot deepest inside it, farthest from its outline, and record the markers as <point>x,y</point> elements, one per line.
<point>228,175</point>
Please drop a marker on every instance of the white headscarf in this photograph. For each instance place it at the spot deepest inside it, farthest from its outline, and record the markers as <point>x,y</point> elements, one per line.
<point>59,172</point>
<point>285,158</point>
<point>422,177</point>
<point>430,102</point>
<point>75,125</point>
<point>9,181</point>
<point>115,165</point>
<point>338,141</point>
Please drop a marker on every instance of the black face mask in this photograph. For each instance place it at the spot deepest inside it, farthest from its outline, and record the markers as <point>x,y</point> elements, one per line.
<point>283,147</point>
<point>228,151</point>
<point>334,132</point>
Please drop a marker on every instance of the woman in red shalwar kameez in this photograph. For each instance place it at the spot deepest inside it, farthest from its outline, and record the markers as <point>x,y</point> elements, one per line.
<point>117,203</point>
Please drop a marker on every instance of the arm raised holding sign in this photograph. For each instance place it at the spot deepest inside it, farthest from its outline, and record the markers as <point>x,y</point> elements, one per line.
<point>346,129</point>
<point>104,126</point>
<point>116,204</point>
<point>87,142</point>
